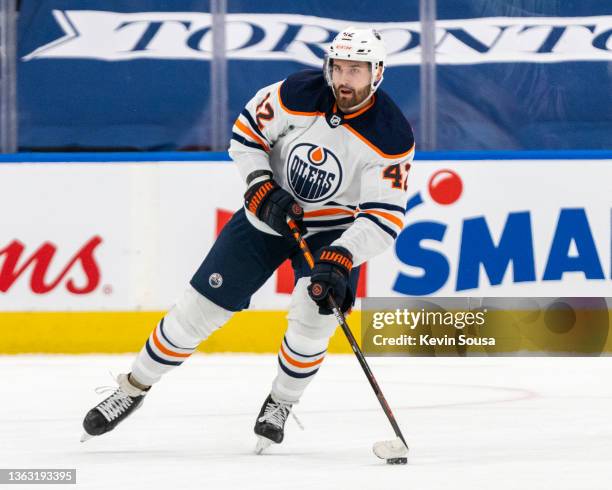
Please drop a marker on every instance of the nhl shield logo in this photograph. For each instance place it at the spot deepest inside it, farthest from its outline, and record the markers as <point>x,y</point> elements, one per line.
<point>335,120</point>
<point>313,172</point>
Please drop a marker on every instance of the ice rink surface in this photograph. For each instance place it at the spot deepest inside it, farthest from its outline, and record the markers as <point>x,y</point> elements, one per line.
<point>478,423</point>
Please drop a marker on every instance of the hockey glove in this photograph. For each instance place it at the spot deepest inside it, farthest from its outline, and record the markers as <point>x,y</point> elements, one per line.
<point>273,205</point>
<point>330,276</point>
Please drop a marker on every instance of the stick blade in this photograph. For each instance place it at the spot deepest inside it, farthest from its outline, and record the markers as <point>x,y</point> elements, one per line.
<point>390,449</point>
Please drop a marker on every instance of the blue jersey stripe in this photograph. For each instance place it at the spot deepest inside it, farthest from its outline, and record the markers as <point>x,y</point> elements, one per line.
<point>381,205</point>
<point>242,140</point>
<point>330,222</point>
<point>378,222</point>
<point>333,203</point>
<point>253,124</point>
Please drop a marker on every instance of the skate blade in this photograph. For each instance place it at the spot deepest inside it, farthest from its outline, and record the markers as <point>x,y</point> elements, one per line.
<point>262,444</point>
<point>85,437</point>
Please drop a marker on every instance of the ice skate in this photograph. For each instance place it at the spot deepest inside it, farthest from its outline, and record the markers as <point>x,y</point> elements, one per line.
<point>105,416</point>
<point>270,423</point>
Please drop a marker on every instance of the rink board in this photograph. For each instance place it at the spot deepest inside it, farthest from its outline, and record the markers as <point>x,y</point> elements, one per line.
<point>93,252</point>
<point>118,332</point>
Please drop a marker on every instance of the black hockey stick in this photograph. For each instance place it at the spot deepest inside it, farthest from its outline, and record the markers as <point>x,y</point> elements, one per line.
<point>393,451</point>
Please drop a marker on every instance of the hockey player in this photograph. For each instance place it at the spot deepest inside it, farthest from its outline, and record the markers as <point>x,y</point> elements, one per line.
<point>327,150</point>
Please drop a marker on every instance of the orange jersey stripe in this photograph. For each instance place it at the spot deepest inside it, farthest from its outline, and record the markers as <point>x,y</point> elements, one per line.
<point>375,148</point>
<point>394,219</point>
<point>299,364</point>
<point>295,113</point>
<point>248,131</point>
<point>168,352</point>
<point>327,212</point>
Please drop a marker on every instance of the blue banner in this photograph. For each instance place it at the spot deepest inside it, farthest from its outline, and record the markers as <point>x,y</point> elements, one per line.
<point>511,75</point>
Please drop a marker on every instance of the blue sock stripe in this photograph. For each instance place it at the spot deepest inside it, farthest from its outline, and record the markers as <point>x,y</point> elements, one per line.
<point>301,355</point>
<point>293,374</point>
<point>156,358</point>
<point>163,334</point>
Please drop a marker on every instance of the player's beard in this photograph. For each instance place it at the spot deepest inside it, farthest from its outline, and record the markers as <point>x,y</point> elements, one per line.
<point>356,97</point>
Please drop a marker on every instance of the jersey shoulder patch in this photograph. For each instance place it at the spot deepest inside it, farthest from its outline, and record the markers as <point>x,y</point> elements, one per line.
<point>305,92</point>
<point>385,128</point>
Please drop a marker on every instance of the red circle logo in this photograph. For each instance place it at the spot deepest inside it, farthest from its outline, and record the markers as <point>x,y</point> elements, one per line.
<point>445,187</point>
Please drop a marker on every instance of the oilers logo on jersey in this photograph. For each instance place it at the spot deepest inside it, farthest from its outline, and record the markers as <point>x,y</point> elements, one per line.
<point>314,173</point>
<point>348,171</point>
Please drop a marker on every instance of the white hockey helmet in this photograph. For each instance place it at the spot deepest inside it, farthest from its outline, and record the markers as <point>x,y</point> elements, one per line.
<point>360,44</point>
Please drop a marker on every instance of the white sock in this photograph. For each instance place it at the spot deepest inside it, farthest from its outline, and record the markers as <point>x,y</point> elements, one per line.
<point>177,336</point>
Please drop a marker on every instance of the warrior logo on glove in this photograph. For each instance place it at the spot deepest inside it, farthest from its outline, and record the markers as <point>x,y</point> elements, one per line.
<point>331,276</point>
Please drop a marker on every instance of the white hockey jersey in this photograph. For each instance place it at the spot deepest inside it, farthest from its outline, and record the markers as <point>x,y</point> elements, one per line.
<point>348,171</point>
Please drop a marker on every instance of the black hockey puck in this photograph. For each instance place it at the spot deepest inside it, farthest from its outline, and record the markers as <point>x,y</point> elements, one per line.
<point>397,461</point>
